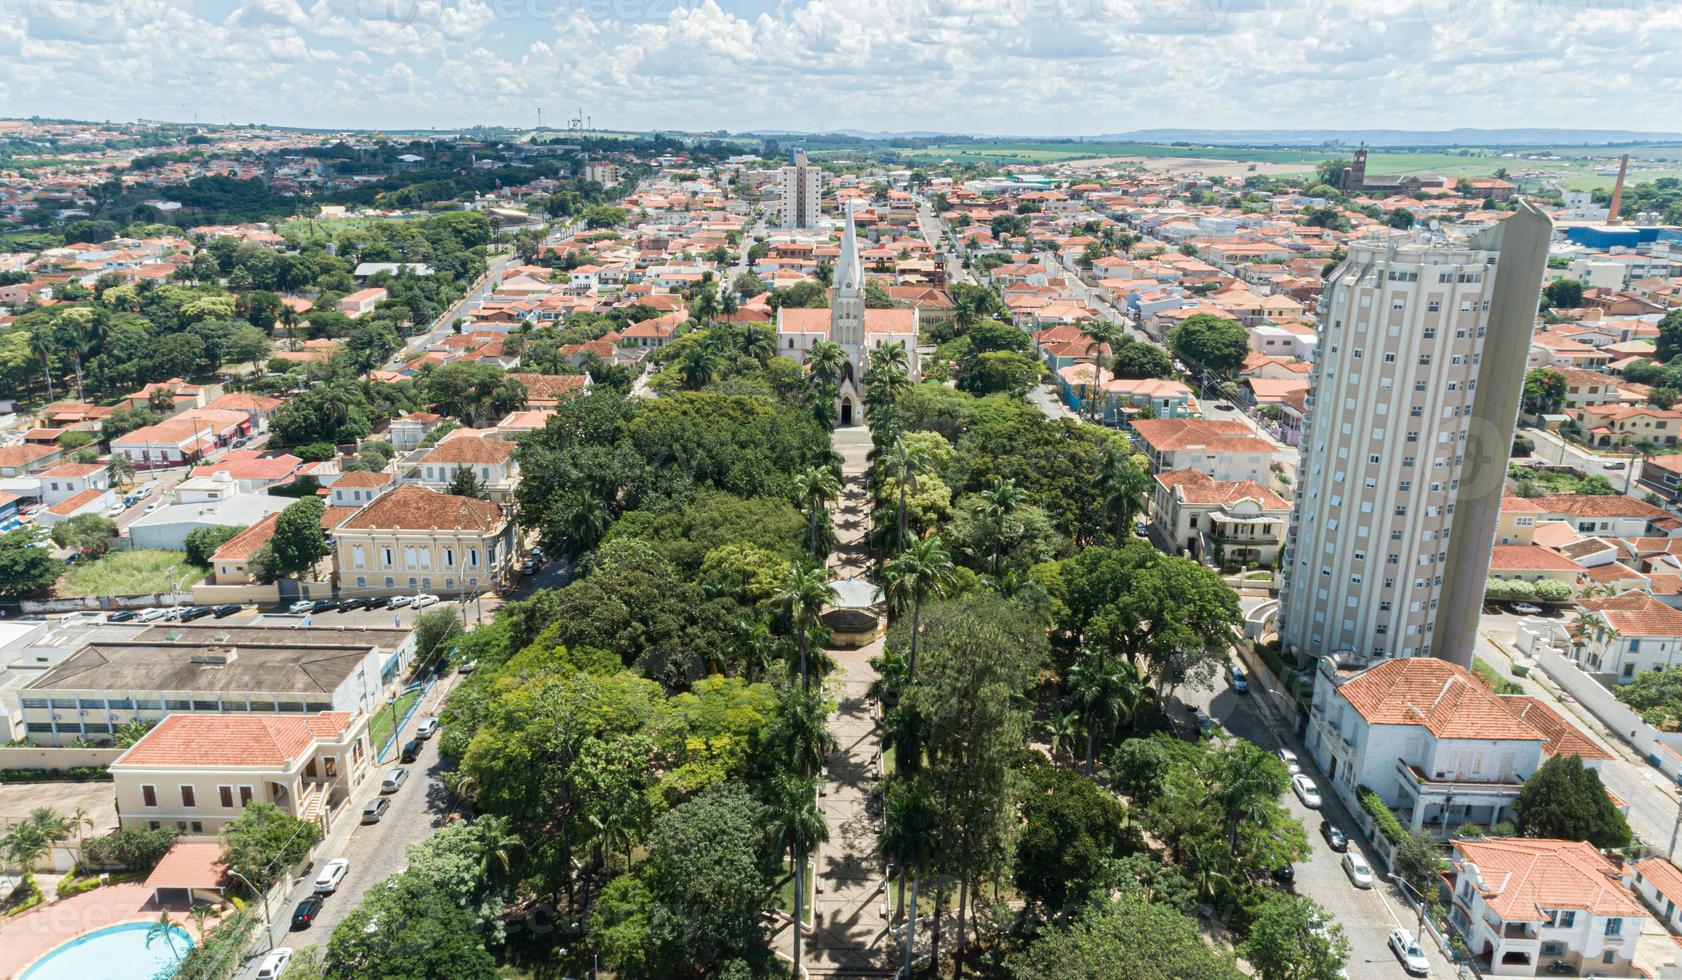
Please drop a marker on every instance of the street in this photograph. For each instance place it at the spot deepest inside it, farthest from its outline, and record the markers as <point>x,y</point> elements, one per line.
<point>375,851</point>
<point>1367,915</point>
<point>445,324</point>
<point>1554,449</point>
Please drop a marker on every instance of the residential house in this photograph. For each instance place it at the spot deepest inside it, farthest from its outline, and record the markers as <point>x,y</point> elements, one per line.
<point>66,480</point>
<point>186,438</point>
<point>1223,450</point>
<point>489,457</point>
<point>362,302</point>
<point>1223,521</point>
<point>359,488</point>
<point>1635,633</point>
<point>198,773</point>
<point>414,539</point>
<point>26,458</point>
<point>408,431</point>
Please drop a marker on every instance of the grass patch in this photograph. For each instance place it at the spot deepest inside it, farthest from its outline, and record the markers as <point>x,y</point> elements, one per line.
<point>785,889</point>
<point>72,884</point>
<point>132,573</point>
<point>380,726</point>
<point>1492,678</point>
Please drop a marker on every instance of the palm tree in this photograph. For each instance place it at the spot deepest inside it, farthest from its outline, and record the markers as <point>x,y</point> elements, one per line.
<point>289,320</point>
<point>1003,499</point>
<point>1121,487</point>
<point>1104,335</point>
<point>891,356</point>
<point>799,733</point>
<point>165,930</point>
<point>756,647</point>
<point>697,367</point>
<point>42,346</point>
<point>201,914</point>
<point>799,826</point>
<point>1246,786</point>
<point>79,821</point>
<point>802,596</point>
<point>904,461</point>
<point>498,851</point>
<point>814,489</point>
<point>908,826</point>
<point>825,362</point>
<point>921,572</point>
<point>1645,449</point>
<point>758,344</point>
<point>584,520</point>
<point>1061,728</point>
<point>1106,693</point>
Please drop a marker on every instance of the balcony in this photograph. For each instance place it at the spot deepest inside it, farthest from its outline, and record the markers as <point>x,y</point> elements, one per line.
<point>1457,785</point>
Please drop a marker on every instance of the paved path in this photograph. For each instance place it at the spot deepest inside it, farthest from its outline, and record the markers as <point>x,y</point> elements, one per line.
<point>849,934</point>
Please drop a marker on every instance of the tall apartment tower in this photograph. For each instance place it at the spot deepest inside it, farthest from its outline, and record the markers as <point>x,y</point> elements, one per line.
<point>802,185</point>
<point>1416,387</point>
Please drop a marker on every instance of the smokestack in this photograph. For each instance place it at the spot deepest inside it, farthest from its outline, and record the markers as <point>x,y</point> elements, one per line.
<point>1618,191</point>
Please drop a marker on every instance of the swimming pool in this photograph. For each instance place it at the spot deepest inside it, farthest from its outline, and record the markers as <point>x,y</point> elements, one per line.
<point>114,953</point>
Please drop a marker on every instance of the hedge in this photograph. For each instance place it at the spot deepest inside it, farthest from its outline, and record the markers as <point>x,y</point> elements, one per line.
<point>75,774</point>
<point>1386,821</point>
<point>128,849</point>
<point>70,884</point>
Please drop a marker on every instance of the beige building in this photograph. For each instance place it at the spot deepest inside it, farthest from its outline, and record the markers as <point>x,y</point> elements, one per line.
<point>801,187</point>
<point>1229,522</point>
<point>1414,401</point>
<point>197,773</point>
<point>415,539</point>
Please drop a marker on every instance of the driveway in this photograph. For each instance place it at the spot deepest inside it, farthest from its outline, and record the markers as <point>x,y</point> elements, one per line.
<point>1367,915</point>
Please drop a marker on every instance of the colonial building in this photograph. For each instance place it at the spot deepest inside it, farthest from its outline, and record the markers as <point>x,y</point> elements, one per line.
<point>418,540</point>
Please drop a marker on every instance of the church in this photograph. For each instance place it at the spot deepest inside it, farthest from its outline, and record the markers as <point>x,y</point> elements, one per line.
<point>856,330</point>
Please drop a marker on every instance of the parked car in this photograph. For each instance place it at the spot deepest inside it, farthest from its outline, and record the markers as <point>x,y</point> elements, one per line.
<point>301,607</point>
<point>399,601</point>
<point>1526,609</point>
<point>1616,464</point>
<point>1286,875</point>
<point>194,612</point>
<point>530,566</point>
<point>1239,683</point>
<point>1407,950</point>
<point>1335,838</point>
<point>304,915</point>
<point>350,605</point>
<point>394,779</point>
<point>150,615</point>
<point>468,667</point>
<point>1306,791</point>
<point>327,882</point>
<point>376,809</point>
<point>174,612</point>
<point>225,609</point>
<point>274,964</point>
<point>423,600</point>
<point>1289,758</point>
<point>411,750</point>
<point>1356,867</point>
<point>1223,406</point>
<point>1141,529</point>
<point>120,616</point>
<point>1205,723</point>
<point>324,605</point>
<point>426,729</point>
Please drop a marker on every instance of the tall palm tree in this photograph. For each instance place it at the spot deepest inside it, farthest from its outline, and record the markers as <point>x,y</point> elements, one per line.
<point>1104,335</point>
<point>904,461</point>
<point>1246,784</point>
<point>755,646</point>
<point>165,930</point>
<point>289,320</point>
<point>1645,449</point>
<point>908,827</point>
<point>891,356</point>
<point>584,520</point>
<point>802,596</point>
<point>1003,500</point>
<point>825,362</point>
<point>799,733</point>
<point>1106,693</point>
<point>921,572</point>
<point>698,367</point>
<point>1061,728</point>
<point>758,344</point>
<point>814,489</point>
<point>42,346</point>
<point>799,826</point>
<point>1121,488</point>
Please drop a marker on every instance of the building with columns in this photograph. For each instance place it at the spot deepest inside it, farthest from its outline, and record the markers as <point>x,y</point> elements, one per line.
<point>848,324</point>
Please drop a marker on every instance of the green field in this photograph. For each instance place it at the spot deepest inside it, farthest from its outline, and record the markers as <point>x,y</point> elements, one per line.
<point>138,572</point>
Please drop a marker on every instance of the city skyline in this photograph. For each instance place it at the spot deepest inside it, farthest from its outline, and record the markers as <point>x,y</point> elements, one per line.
<point>1060,67</point>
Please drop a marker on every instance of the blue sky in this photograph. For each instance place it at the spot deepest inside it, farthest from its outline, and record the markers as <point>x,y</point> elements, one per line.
<point>1033,67</point>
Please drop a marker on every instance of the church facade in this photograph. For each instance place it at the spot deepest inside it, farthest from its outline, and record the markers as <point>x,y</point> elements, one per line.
<point>858,331</point>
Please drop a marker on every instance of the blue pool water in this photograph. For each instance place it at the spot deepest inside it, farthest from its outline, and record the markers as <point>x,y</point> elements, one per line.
<point>113,953</point>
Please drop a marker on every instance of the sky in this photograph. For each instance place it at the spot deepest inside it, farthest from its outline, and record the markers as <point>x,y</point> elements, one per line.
<point>1017,67</point>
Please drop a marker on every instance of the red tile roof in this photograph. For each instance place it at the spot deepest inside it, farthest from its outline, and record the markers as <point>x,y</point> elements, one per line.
<point>70,505</point>
<point>412,506</point>
<point>1637,614</point>
<point>1443,697</point>
<point>189,864</point>
<point>189,741</point>
<point>1563,738</point>
<point>1523,876</point>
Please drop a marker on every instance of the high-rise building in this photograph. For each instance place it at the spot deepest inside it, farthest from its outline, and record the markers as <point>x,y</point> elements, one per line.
<point>802,185</point>
<point>1416,387</point>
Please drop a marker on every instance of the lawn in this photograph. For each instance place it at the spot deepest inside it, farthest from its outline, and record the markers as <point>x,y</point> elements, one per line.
<point>379,727</point>
<point>137,572</point>
<point>785,889</point>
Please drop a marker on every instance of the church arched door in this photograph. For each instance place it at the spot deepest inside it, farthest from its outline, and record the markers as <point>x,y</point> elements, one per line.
<point>846,411</point>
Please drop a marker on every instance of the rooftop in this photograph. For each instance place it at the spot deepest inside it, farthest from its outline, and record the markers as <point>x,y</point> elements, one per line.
<point>189,741</point>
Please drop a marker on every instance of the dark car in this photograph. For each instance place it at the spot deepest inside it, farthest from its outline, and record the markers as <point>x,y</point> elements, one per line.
<point>323,605</point>
<point>350,605</point>
<point>195,612</point>
<point>121,616</point>
<point>411,750</point>
<point>226,609</point>
<point>304,915</point>
<point>1334,837</point>
<point>1285,875</point>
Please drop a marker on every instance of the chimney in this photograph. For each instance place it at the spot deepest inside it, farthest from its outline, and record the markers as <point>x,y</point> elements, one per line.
<point>1618,191</point>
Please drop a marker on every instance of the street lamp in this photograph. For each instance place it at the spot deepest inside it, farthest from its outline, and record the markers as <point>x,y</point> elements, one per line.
<point>263,902</point>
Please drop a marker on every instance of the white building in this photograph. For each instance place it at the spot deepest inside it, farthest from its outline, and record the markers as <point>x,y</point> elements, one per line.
<point>1523,904</point>
<point>802,186</point>
<point>1435,744</point>
<point>1410,419</point>
<point>1220,449</point>
<point>1637,633</point>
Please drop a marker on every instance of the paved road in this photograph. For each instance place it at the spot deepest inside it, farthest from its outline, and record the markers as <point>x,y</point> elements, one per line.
<point>376,851</point>
<point>1367,915</point>
<point>444,325</point>
<point>1553,449</point>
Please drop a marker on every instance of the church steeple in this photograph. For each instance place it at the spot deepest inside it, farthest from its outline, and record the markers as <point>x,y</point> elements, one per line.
<point>848,277</point>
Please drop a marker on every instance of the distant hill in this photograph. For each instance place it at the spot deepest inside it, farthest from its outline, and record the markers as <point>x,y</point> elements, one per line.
<point>1287,137</point>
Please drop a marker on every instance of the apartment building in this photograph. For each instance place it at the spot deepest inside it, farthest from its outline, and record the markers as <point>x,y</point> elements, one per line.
<point>1415,396</point>
<point>801,187</point>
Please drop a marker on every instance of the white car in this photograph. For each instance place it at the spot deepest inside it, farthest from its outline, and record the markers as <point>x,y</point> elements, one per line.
<point>399,601</point>
<point>151,615</point>
<point>151,506</point>
<point>423,600</point>
<point>1306,791</point>
<point>1356,867</point>
<point>1289,758</point>
<point>1526,609</point>
<point>1407,950</point>
<point>426,729</point>
<point>301,607</point>
<point>274,964</point>
<point>327,882</point>
<point>394,780</point>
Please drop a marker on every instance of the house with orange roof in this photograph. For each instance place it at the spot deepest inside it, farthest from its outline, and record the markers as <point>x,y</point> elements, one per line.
<point>185,438</point>
<point>1533,563</point>
<point>1220,449</point>
<point>198,772</point>
<point>1435,744</point>
<point>1659,883</point>
<point>483,452</point>
<point>66,480</point>
<point>1525,904</point>
<point>417,539</point>
<point>1605,426</point>
<point>1238,522</point>
<point>1636,633</point>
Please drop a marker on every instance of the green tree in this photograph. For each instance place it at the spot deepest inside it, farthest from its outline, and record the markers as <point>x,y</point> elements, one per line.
<point>1564,799</point>
<point>264,841</point>
<point>1292,938</point>
<point>26,569</point>
<point>1210,344</point>
<point>1124,939</point>
<point>1544,391</point>
<point>408,927</point>
<point>707,877</point>
<point>1072,835</point>
<point>1106,693</point>
<point>798,826</point>
<point>813,491</point>
<point>298,541</point>
<point>1400,218</point>
<point>998,372</point>
<point>466,483</point>
<point>804,592</point>
<point>202,542</point>
<point>921,572</point>
<point>85,532</point>
<point>1669,343</point>
<point>1562,293</point>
